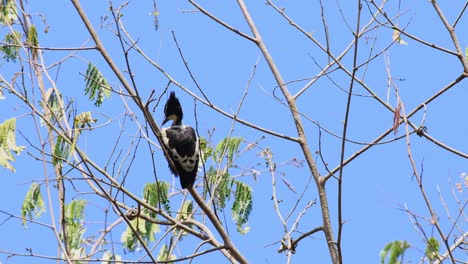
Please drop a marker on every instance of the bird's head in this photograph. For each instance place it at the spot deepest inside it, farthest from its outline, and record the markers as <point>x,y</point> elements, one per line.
<point>173,110</point>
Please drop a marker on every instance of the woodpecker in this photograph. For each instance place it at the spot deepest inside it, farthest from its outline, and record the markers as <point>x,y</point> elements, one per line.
<point>181,144</point>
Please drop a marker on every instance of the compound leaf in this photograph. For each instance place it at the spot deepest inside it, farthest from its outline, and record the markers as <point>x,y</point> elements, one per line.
<point>97,87</point>
<point>33,203</point>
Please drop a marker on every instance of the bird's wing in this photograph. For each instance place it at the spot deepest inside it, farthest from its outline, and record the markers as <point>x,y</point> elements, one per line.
<point>182,143</point>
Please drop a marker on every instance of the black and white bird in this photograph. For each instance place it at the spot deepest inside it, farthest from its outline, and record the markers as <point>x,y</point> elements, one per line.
<point>181,143</point>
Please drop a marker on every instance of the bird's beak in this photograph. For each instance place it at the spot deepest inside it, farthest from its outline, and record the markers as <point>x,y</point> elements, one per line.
<point>170,117</point>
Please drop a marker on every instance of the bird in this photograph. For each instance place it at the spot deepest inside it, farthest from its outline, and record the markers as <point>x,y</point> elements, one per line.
<point>181,144</point>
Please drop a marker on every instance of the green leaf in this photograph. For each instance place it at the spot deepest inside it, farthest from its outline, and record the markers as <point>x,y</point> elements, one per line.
<point>242,206</point>
<point>129,239</point>
<point>61,151</point>
<point>11,49</point>
<point>33,203</point>
<point>228,147</point>
<point>432,249</point>
<point>8,12</point>
<point>32,39</point>
<point>223,190</point>
<point>156,194</point>
<point>74,211</point>
<point>74,230</point>
<point>97,87</point>
<point>206,150</point>
<point>394,251</point>
<point>144,229</point>
<point>32,36</point>
<point>185,211</point>
<point>8,143</point>
<point>221,187</point>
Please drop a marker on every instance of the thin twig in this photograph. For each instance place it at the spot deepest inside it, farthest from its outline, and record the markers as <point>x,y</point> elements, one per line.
<point>222,23</point>
<point>345,129</point>
<point>188,68</point>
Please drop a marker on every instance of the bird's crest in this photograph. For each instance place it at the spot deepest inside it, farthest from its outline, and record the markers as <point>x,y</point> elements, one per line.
<point>173,110</point>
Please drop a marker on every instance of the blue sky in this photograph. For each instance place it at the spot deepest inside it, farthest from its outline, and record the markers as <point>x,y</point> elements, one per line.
<point>376,185</point>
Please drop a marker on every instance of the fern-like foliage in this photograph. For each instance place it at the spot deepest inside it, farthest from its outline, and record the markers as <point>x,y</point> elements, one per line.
<point>144,229</point>
<point>32,36</point>
<point>206,149</point>
<point>228,148</point>
<point>8,144</point>
<point>61,151</point>
<point>8,12</point>
<point>12,46</point>
<point>432,249</point>
<point>33,203</point>
<point>156,194</point>
<point>223,190</point>
<point>185,212</point>
<point>97,87</point>
<point>242,206</point>
<point>222,187</point>
<point>32,40</point>
<point>394,251</point>
<point>74,229</point>
<point>74,218</point>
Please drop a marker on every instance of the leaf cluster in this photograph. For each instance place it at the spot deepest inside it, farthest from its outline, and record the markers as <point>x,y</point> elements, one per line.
<point>227,148</point>
<point>8,12</point>
<point>11,48</point>
<point>97,87</point>
<point>33,203</point>
<point>432,249</point>
<point>144,229</point>
<point>8,144</point>
<point>394,252</point>
<point>156,194</point>
<point>61,151</point>
<point>74,219</point>
<point>223,187</point>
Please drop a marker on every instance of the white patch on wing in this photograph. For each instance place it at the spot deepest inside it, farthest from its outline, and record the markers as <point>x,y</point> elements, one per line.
<point>164,137</point>
<point>187,163</point>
